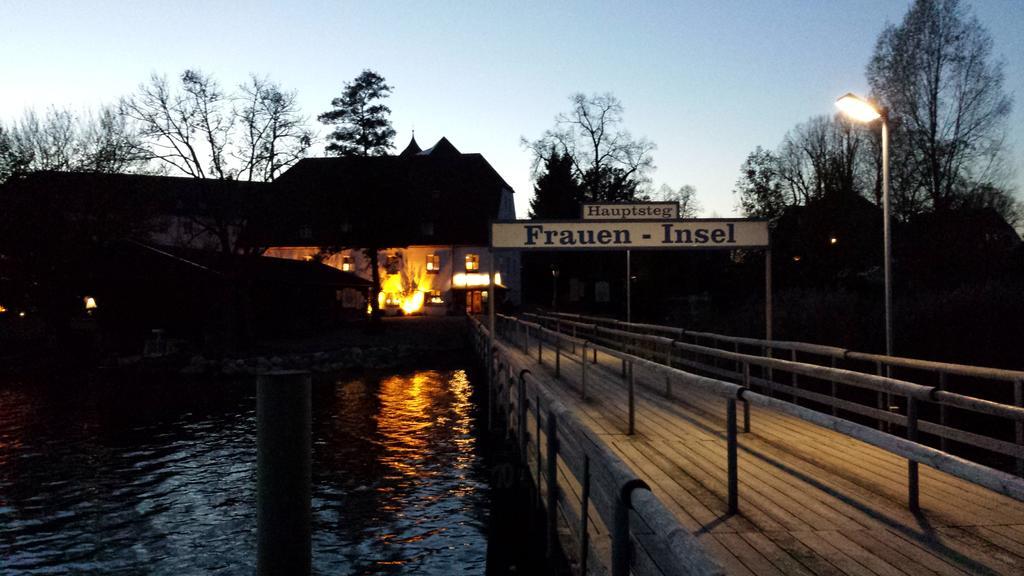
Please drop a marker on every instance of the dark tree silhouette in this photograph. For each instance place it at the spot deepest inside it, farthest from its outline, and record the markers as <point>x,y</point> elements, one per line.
<point>196,129</point>
<point>759,185</point>
<point>273,131</point>
<point>362,127</point>
<point>608,162</point>
<point>936,74</point>
<point>556,193</point>
<point>64,141</point>
<point>820,158</point>
<point>685,196</point>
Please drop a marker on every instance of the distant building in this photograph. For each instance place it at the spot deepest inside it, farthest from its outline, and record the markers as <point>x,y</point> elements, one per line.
<point>427,212</point>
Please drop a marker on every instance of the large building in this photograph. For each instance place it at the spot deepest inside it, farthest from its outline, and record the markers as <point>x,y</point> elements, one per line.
<point>426,213</point>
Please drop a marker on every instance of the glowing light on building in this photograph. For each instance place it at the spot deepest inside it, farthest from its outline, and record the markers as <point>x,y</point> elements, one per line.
<point>468,280</point>
<point>406,290</point>
<point>90,303</point>
<point>2,309</point>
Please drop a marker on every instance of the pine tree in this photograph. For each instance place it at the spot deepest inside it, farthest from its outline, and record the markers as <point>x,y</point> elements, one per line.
<point>362,124</point>
<point>556,193</point>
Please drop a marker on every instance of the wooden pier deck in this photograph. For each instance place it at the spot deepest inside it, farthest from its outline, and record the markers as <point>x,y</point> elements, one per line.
<point>811,501</point>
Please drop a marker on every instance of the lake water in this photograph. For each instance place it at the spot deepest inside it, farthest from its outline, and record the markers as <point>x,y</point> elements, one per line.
<point>103,475</point>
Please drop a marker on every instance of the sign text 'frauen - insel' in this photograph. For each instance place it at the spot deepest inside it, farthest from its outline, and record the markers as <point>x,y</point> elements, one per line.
<point>610,235</point>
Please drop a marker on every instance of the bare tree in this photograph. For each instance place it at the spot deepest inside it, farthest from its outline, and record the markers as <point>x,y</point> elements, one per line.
<point>685,196</point>
<point>602,151</point>
<point>935,72</point>
<point>63,140</point>
<point>188,128</point>
<point>199,130</point>
<point>273,131</point>
<point>820,157</point>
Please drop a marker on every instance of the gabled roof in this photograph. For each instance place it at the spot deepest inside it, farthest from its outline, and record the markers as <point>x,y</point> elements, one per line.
<point>438,196</point>
<point>442,148</point>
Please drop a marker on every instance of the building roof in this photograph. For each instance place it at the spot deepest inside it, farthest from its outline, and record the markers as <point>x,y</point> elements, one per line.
<point>412,148</point>
<point>262,269</point>
<point>433,196</point>
<point>436,196</point>
<point>85,191</point>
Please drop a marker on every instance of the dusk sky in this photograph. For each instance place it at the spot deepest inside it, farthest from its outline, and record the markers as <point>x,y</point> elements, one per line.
<point>706,81</point>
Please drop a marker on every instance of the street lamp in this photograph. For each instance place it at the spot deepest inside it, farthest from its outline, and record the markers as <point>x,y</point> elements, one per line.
<point>862,110</point>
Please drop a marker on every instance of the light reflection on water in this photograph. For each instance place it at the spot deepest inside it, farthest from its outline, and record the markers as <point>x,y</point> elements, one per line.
<point>160,479</point>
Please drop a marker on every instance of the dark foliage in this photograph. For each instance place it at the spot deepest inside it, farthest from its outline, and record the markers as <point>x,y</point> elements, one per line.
<point>362,127</point>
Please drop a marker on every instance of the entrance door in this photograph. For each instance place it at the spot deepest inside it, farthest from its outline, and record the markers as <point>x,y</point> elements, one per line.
<point>474,302</point>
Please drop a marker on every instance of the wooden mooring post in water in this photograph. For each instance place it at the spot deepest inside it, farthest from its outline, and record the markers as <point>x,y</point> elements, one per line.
<point>283,474</point>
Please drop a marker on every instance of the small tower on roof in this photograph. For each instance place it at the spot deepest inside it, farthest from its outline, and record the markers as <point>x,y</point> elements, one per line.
<point>413,148</point>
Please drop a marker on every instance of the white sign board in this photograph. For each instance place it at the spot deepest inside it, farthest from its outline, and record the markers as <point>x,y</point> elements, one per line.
<point>630,211</point>
<point>629,234</point>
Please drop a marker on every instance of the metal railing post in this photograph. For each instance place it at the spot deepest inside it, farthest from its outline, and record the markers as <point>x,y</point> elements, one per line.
<point>881,399</point>
<point>835,389</point>
<point>796,382</point>
<point>1018,401</point>
<point>621,544</point>
<point>913,490</point>
<point>552,484</point>
<point>732,461</point>
<point>558,356</point>
<point>537,484</point>
<point>746,403</point>
<point>584,515</point>
<point>942,410</point>
<point>492,373</point>
<point>632,382</point>
<point>583,373</point>
<point>521,393</point>
<point>668,377</point>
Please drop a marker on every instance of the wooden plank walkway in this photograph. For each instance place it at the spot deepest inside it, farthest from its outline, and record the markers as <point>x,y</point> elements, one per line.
<point>811,501</point>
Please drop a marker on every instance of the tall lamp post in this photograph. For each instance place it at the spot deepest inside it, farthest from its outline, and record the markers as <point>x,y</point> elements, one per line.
<point>862,110</point>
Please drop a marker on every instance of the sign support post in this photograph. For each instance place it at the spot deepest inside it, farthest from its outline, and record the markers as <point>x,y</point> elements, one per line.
<point>629,289</point>
<point>768,294</point>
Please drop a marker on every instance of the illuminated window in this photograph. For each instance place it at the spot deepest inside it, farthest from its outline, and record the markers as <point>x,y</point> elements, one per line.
<point>472,262</point>
<point>346,263</point>
<point>433,263</point>
<point>434,298</point>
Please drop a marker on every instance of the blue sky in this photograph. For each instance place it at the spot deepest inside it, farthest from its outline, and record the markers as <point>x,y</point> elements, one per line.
<point>706,81</point>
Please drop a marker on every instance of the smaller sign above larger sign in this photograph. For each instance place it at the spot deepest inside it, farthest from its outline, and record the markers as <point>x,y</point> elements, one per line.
<point>631,211</point>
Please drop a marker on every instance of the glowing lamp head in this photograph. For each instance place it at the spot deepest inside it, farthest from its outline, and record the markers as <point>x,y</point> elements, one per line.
<point>90,303</point>
<point>857,108</point>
